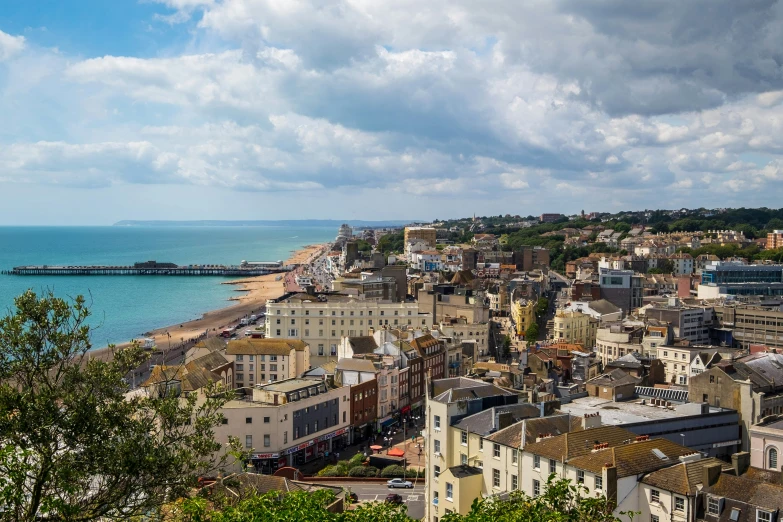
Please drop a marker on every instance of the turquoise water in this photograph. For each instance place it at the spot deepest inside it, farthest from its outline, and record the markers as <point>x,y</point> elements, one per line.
<point>124,307</point>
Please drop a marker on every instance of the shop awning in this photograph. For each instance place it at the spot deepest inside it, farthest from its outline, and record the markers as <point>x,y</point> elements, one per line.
<point>395,452</point>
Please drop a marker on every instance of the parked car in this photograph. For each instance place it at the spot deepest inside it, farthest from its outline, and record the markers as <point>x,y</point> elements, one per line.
<point>394,498</point>
<point>399,483</point>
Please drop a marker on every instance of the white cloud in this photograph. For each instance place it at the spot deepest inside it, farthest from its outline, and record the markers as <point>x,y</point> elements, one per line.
<point>10,46</point>
<point>441,98</point>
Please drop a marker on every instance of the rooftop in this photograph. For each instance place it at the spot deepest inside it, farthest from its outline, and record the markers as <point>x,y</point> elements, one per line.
<point>630,412</point>
<point>528,430</point>
<point>485,422</point>
<point>264,346</point>
<point>682,478</point>
<point>570,445</point>
<point>633,458</point>
<point>355,365</point>
<point>290,385</point>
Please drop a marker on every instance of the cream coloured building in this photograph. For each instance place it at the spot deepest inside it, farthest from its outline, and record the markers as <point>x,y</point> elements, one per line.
<point>259,361</point>
<point>323,320</point>
<point>575,328</point>
<point>288,422</point>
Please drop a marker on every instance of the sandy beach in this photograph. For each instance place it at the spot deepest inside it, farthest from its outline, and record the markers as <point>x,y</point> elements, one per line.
<point>252,295</point>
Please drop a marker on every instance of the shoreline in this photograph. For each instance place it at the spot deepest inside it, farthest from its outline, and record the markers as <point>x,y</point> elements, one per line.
<point>255,292</point>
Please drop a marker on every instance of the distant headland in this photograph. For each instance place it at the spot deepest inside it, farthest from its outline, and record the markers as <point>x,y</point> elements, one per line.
<point>262,223</point>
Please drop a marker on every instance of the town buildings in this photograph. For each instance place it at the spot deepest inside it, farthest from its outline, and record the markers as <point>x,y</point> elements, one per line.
<point>575,328</point>
<point>775,239</point>
<point>523,314</point>
<point>289,422</point>
<point>322,320</point>
<point>721,279</point>
<point>258,361</point>
<point>428,235</point>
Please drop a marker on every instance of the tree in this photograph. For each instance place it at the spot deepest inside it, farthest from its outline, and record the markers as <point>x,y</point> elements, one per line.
<point>273,506</point>
<point>531,334</point>
<point>542,305</point>
<point>506,347</point>
<point>561,502</point>
<point>73,446</point>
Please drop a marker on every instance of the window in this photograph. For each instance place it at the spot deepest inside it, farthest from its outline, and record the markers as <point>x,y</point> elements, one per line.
<point>463,459</point>
<point>479,464</point>
<point>464,438</point>
<point>449,491</point>
<point>437,446</point>
<point>496,451</point>
<point>266,441</point>
<point>655,495</point>
<point>536,462</point>
<point>772,459</point>
<point>654,518</point>
<point>248,420</point>
<point>481,444</point>
<point>437,422</point>
<point>763,516</point>
<point>599,483</point>
<point>679,503</point>
<point>240,367</point>
<point>514,482</point>
<point>248,441</point>
<point>436,469</point>
<point>266,420</point>
<point>285,437</point>
<point>580,477</point>
<point>514,457</point>
<point>240,357</point>
<point>536,488</point>
<point>495,478</point>
<point>552,466</point>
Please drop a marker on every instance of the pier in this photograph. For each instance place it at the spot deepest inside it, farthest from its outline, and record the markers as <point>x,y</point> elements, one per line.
<point>149,268</point>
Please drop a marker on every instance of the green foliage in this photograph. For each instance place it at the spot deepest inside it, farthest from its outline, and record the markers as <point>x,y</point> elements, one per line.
<point>542,306</point>
<point>395,471</point>
<point>531,334</point>
<point>560,502</point>
<point>362,471</point>
<point>505,347</point>
<point>330,471</point>
<point>356,459</point>
<point>363,245</point>
<point>392,243</point>
<point>74,447</point>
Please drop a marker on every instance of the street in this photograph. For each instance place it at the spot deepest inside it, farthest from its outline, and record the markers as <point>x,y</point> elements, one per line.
<point>371,492</point>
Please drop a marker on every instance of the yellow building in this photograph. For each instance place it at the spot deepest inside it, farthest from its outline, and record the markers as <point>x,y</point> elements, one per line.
<point>426,234</point>
<point>524,314</point>
<point>575,328</point>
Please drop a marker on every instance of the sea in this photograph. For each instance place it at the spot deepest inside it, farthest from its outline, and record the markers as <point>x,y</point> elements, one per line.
<point>124,307</point>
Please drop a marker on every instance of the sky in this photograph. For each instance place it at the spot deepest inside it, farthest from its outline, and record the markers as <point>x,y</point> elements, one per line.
<point>360,109</point>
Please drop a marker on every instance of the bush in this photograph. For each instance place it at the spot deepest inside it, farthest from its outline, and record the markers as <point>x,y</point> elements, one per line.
<point>330,471</point>
<point>356,460</point>
<point>371,471</point>
<point>357,471</point>
<point>392,471</point>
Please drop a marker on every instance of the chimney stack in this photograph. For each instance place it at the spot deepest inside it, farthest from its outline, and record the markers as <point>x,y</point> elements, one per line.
<point>710,474</point>
<point>609,473</point>
<point>740,462</point>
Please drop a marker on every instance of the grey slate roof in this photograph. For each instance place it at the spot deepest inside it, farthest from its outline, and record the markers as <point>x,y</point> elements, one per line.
<point>355,365</point>
<point>614,378</point>
<point>483,422</point>
<point>603,307</point>
<point>363,344</point>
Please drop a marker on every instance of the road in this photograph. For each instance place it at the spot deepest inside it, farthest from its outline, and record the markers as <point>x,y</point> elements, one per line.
<point>371,492</point>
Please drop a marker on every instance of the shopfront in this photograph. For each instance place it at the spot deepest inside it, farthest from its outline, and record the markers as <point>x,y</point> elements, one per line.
<point>317,447</point>
<point>362,433</point>
<point>267,463</point>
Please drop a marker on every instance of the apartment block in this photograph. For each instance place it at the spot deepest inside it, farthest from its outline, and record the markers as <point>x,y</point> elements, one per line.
<point>449,400</point>
<point>258,361</point>
<point>288,423</point>
<point>574,327</point>
<point>323,320</point>
<point>428,235</point>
